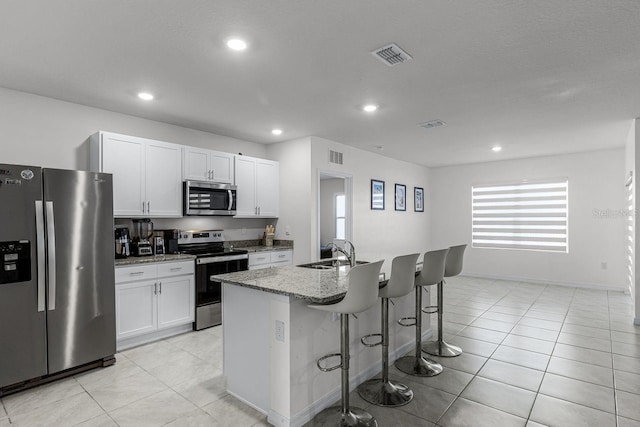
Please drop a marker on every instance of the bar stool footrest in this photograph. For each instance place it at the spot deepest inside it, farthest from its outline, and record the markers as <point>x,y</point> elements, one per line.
<point>404,321</point>
<point>330,368</point>
<point>430,309</point>
<point>363,340</point>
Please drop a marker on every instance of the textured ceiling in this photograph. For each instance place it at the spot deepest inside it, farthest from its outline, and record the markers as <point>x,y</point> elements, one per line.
<point>537,77</point>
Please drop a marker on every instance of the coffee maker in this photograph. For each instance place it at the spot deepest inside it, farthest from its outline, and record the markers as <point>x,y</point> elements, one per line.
<point>122,241</point>
<point>142,237</point>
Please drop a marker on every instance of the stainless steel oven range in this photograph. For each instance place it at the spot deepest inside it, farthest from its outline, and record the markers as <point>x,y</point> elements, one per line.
<point>211,259</point>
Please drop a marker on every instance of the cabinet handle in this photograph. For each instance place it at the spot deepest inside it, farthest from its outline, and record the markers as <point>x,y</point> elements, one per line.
<point>135,273</point>
<point>155,288</point>
<point>160,285</point>
<point>213,174</point>
<point>143,206</point>
<point>175,269</point>
<point>148,207</point>
<point>258,210</point>
<point>209,175</point>
<point>281,256</point>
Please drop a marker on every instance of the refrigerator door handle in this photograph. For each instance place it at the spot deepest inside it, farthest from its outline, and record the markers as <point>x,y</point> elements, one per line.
<point>51,261</point>
<point>41,253</point>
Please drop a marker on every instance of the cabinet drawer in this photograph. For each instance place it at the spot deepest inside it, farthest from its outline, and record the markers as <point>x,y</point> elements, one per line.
<point>175,268</point>
<point>136,273</point>
<point>259,258</point>
<point>281,256</point>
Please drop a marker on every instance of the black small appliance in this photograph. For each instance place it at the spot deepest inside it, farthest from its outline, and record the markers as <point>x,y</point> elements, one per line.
<point>122,242</point>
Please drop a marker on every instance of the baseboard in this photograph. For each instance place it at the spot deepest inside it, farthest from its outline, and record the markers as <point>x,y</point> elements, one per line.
<point>153,336</point>
<point>593,286</point>
<point>246,402</point>
<point>310,411</point>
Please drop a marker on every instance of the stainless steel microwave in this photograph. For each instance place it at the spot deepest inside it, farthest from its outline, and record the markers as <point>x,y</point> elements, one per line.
<point>208,198</point>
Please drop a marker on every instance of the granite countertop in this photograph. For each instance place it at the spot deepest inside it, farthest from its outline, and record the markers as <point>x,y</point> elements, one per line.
<point>316,286</point>
<point>264,248</point>
<point>154,258</point>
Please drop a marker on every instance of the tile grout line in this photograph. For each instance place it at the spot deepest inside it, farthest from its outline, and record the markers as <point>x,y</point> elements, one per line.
<point>485,362</point>
<point>550,356</point>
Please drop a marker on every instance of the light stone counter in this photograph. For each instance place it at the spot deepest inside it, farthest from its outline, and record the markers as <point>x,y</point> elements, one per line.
<point>132,260</point>
<point>317,286</point>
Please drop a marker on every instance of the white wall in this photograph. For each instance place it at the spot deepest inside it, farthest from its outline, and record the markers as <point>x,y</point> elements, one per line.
<point>596,182</point>
<point>376,234</point>
<point>295,196</point>
<point>328,189</point>
<point>43,131</point>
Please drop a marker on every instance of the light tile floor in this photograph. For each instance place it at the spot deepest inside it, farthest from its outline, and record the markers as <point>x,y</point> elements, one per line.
<point>534,355</point>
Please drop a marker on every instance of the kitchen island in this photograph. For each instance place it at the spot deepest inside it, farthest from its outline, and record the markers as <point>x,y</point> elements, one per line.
<point>272,340</point>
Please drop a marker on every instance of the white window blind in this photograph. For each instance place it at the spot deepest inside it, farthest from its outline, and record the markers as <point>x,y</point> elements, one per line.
<point>531,215</point>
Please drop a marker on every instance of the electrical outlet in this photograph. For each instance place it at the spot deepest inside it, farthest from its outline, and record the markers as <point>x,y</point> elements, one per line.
<point>279,330</point>
<point>335,317</point>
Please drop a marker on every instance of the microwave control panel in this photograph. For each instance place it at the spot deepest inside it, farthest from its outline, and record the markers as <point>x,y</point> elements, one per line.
<point>15,261</point>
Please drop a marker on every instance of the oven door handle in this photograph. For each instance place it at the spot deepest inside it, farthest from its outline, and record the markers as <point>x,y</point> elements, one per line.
<point>213,259</point>
<point>230,200</point>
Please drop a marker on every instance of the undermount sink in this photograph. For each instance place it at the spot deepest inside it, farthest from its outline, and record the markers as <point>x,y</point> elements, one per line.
<point>329,264</point>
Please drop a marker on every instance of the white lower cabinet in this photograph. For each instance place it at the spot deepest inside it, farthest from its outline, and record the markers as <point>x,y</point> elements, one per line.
<point>151,299</point>
<point>266,259</point>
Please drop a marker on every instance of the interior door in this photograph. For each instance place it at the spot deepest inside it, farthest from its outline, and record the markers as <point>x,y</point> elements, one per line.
<point>81,275</point>
<point>23,352</point>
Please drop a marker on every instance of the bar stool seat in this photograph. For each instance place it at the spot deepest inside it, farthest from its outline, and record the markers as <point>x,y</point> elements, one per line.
<point>453,267</point>
<point>432,272</point>
<point>362,294</point>
<point>382,391</point>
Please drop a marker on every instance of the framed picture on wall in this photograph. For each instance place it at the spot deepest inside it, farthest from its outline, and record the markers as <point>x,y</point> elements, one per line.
<point>418,199</point>
<point>377,195</point>
<point>401,197</point>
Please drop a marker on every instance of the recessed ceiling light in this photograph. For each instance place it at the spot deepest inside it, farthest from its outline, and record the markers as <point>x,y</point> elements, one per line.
<point>369,108</point>
<point>496,148</point>
<point>236,44</point>
<point>277,131</point>
<point>145,96</point>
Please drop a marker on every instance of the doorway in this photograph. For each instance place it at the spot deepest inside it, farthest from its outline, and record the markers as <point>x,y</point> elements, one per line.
<point>335,207</point>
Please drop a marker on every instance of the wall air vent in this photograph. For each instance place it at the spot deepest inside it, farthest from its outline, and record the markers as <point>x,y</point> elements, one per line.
<point>335,157</point>
<point>432,124</point>
<point>391,55</point>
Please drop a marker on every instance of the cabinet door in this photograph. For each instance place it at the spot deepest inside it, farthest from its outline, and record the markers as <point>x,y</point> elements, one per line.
<point>246,183</point>
<point>163,179</point>
<point>267,187</point>
<point>195,164</point>
<point>136,310</point>
<point>222,167</point>
<point>176,304</point>
<point>124,158</point>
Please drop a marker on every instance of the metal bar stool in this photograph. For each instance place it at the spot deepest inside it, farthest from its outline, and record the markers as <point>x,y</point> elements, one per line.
<point>362,294</point>
<point>432,273</point>
<point>453,267</point>
<point>382,391</point>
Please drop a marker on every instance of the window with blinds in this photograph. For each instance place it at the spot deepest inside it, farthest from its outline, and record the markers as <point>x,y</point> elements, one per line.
<point>531,216</point>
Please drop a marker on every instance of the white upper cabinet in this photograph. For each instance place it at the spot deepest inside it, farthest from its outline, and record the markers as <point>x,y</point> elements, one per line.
<point>146,174</point>
<point>206,165</point>
<point>258,183</point>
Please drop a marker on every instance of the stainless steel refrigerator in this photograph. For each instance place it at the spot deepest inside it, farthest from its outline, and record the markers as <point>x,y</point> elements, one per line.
<point>57,285</point>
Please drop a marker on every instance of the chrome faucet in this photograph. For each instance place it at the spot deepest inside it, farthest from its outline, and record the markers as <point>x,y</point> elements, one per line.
<point>351,255</point>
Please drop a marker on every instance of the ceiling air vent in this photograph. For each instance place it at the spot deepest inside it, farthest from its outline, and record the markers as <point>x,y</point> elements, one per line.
<point>432,124</point>
<point>391,55</point>
<point>335,157</point>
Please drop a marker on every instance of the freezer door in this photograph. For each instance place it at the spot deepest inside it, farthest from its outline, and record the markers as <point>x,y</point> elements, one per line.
<point>23,353</point>
<point>80,269</point>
